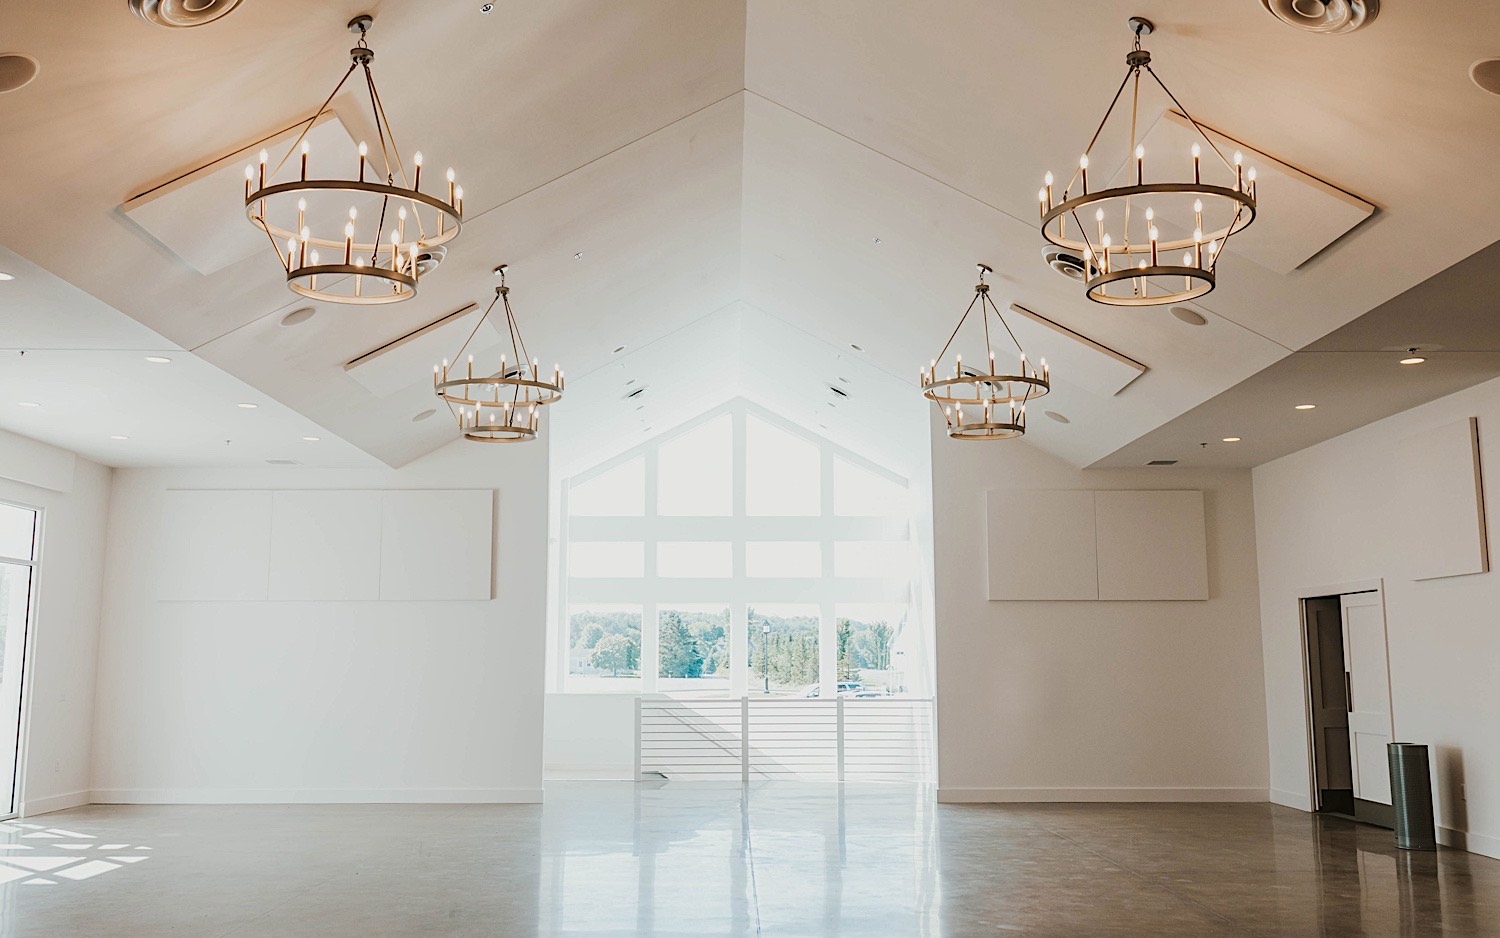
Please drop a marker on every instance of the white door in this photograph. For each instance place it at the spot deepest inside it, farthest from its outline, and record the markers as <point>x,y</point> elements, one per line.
<point>1368,683</point>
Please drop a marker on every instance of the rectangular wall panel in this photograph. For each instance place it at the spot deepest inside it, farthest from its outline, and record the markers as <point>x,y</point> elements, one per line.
<point>1152,545</point>
<point>325,545</point>
<point>437,544</point>
<point>1041,545</point>
<point>216,545</point>
<point>1439,503</point>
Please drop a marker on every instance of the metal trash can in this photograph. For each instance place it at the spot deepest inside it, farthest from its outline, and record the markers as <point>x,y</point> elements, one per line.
<point>1411,796</point>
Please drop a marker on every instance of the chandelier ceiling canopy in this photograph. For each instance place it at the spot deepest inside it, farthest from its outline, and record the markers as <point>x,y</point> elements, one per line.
<point>986,402</point>
<point>1148,239</point>
<point>503,405</point>
<point>364,233</point>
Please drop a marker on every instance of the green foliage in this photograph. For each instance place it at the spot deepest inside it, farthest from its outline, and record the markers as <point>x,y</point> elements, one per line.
<point>680,652</point>
<point>614,654</point>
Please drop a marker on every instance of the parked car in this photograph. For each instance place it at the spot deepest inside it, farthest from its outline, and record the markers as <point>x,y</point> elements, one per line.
<point>846,689</point>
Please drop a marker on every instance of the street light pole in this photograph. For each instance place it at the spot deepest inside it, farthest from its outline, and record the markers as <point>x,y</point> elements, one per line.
<point>765,652</point>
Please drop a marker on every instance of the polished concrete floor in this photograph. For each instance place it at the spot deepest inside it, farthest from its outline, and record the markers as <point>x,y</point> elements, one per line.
<point>779,858</point>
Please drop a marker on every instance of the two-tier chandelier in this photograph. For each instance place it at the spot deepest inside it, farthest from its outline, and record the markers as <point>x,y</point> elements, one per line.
<point>501,406</point>
<point>362,238</point>
<point>1144,241</point>
<point>984,402</point>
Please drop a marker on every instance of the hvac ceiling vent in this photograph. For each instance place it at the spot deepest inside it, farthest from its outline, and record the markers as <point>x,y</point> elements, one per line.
<point>182,14</point>
<point>282,462</point>
<point>838,390</point>
<point>1065,262</point>
<point>636,393</point>
<point>16,71</point>
<point>1162,462</point>
<point>1324,16</point>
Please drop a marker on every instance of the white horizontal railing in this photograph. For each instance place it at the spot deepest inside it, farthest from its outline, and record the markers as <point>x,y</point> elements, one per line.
<point>887,739</point>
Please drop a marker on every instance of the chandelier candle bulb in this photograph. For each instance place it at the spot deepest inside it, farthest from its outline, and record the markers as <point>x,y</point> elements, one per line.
<point>450,186</point>
<point>1083,171</point>
<point>304,161</point>
<point>1047,181</point>
<point>263,157</point>
<point>1239,171</point>
<point>249,181</point>
<point>364,152</point>
<point>1140,165</point>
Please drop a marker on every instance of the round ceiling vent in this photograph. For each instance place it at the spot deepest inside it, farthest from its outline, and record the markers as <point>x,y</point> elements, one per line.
<point>298,316</point>
<point>1485,73</point>
<point>1324,16</point>
<point>429,259</point>
<point>16,71</point>
<point>1068,264</point>
<point>1054,415</point>
<point>181,14</point>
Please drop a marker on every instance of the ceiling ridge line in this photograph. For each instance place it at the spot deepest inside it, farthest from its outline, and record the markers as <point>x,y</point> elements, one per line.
<point>468,218</point>
<point>968,195</point>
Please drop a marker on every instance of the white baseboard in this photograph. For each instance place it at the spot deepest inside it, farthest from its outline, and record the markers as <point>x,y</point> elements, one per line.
<point>1482,844</point>
<point>1302,801</point>
<point>593,773</point>
<point>1009,795</point>
<point>317,796</point>
<point>72,799</point>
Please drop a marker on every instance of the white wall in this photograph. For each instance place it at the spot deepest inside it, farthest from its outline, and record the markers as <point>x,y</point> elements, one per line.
<point>65,633</point>
<point>1107,701</point>
<point>590,736</point>
<point>325,701</point>
<point>1332,514</point>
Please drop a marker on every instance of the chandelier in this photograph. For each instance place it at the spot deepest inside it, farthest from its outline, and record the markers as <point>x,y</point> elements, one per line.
<point>1146,242</point>
<point>984,404</point>
<point>501,406</point>
<point>362,238</point>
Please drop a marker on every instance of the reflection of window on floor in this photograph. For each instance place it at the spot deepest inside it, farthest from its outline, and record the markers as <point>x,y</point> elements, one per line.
<point>761,560</point>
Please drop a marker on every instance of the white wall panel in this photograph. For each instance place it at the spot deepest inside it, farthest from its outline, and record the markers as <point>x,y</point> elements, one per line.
<point>1152,545</point>
<point>438,544</point>
<point>1041,544</point>
<point>219,548</point>
<point>325,545</point>
<point>1440,504</point>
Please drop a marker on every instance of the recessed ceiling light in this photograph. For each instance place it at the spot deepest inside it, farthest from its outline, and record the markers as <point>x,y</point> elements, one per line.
<point>578,256</point>
<point>1189,315</point>
<point>158,359</point>
<point>28,404</point>
<point>6,276</point>
<point>1486,75</point>
<point>423,416</point>
<point>311,439</point>
<point>1305,407</point>
<point>1413,360</point>
<point>487,8</point>
<point>16,71</point>
<point>246,405</point>
<point>1056,416</point>
<point>876,240</point>
<point>118,437</point>
<point>1231,439</point>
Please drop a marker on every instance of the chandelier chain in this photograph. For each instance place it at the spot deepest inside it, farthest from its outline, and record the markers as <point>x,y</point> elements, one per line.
<point>314,119</point>
<point>1100,129</point>
<point>1191,120</point>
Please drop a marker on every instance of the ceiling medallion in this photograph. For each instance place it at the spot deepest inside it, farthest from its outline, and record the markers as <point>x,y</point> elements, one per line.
<point>364,239</point>
<point>501,406</point>
<point>182,14</point>
<point>1324,16</point>
<point>984,405</point>
<point>1130,235</point>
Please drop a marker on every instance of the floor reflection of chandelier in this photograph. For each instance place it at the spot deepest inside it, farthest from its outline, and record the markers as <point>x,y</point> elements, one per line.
<point>504,405</point>
<point>985,402</point>
<point>364,238</point>
<point>1148,241</point>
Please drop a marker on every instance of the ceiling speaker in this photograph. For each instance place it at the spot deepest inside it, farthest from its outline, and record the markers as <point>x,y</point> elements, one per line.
<point>181,14</point>
<point>1324,16</point>
<point>16,71</point>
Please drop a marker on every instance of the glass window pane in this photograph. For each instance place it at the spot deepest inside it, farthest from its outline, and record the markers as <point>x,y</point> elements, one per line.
<point>620,491</point>
<point>694,559</point>
<point>604,648</point>
<point>590,559</point>
<point>781,472</point>
<point>884,559</point>
<point>782,642</point>
<point>783,558</point>
<point>17,532</point>
<point>693,649</point>
<point>693,471</point>
<point>874,650</point>
<point>858,491</point>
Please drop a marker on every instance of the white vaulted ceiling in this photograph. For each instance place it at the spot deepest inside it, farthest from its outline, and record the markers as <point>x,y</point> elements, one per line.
<point>724,169</point>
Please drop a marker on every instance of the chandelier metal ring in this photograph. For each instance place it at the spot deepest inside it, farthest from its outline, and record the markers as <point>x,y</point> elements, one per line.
<point>1197,281</point>
<point>998,430</point>
<point>1243,215</point>
<point>301,188</point>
